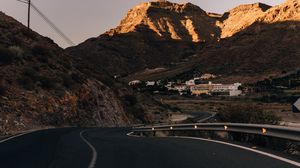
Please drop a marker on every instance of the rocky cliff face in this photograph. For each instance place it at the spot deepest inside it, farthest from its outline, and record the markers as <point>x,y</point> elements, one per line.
<point>168,20</point>
<point>40,86</point>
<point>243,16</point>
<point>240,18</point>
<point>288,11</point>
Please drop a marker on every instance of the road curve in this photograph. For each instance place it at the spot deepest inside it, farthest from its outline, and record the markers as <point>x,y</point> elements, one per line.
<point>112,148</point>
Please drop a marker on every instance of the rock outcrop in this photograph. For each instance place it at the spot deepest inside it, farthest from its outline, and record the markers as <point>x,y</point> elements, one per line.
<point>240,18</point>
<point>288,11</point>
<point>168,20</point>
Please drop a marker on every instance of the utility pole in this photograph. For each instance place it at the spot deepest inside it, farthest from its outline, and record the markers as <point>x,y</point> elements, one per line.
<point>29,5</point>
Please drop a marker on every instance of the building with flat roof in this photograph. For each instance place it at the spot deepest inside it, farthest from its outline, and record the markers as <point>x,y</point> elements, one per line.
<point>216,89</point>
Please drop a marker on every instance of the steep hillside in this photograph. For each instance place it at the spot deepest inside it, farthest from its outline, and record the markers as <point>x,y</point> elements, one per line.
<point>153,34</point>
<point>39,86</point>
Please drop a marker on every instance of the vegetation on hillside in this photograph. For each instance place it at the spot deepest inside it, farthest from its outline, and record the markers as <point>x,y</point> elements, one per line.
<point>247,114</point>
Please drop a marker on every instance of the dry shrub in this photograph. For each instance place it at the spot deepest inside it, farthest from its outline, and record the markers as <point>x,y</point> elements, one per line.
<point>247,114</point>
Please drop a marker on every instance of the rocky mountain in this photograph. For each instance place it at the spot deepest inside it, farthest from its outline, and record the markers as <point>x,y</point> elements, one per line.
<point>41,86</point>
<point>247,43</point>
<point>267,47</point>
<point>152,34</point>
<point>240,18</point>
<point>243,16</point>
<point>185,22</point>
<point>288,11</point>
<point>254,42</point>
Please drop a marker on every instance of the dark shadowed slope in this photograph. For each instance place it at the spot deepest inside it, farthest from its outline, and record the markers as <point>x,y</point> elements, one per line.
<point>39,86</point>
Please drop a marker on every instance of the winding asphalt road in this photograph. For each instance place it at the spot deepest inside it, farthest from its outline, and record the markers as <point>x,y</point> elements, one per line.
<point>112,148</point>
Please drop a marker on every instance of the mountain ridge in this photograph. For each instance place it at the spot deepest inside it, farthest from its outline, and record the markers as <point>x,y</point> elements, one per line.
<point>240,17</point>
<point>247,49</point>
<point>152,34</point>
<point>179,22</point>
<point>266,48</point>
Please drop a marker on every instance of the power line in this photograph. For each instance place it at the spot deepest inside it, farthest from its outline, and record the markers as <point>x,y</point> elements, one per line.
<point>48,21</point>
<point>52,25</point>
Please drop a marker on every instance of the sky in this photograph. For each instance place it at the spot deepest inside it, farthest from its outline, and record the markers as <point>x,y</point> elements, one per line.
<point>83,19</point>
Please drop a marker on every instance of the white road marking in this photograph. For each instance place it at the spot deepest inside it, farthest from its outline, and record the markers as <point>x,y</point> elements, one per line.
<point>12,137</point>
<point>94,158</point>
<point>24,133</point>
<point>131,134</point>
<point>237,146</point>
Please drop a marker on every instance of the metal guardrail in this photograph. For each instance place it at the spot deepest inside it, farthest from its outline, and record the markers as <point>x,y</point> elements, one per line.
<point>283,132</point>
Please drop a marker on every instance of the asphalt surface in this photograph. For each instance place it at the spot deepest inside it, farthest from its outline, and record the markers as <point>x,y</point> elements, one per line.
<point>200,116</point>
<point>111,148</point>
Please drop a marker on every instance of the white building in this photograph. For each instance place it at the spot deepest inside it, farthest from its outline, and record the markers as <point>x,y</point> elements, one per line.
<point>150,83</point>
<point>190,82</point>
<point>208,76</point>
<point>235,92</point>
<point>134,82</point>
<point>217,89</point>
<point>180,88</point>
<point>227,89</point>
<point>193,82</point>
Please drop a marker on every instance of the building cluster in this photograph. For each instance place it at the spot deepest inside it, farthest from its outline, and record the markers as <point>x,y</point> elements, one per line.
<point>217,89</point>
<point>196,87</point>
